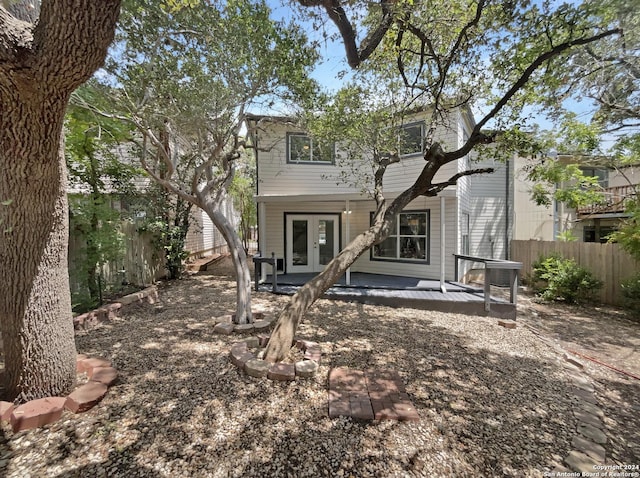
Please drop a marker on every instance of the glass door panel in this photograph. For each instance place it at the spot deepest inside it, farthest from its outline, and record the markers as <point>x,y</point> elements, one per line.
<point>312,241</point>
<point>326,240</point>
<point>300,242</point>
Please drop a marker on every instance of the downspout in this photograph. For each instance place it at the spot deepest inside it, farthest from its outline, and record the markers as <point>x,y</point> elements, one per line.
<point>443,244</point>
<point>347,212</point>
<point>261,213</point>
<point>508,208</point>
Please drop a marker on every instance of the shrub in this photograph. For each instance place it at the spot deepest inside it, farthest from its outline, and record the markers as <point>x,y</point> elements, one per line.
<point>631,294</point>
<point>556,278</point>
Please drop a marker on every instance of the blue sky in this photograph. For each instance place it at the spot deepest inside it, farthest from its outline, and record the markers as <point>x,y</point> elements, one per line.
<point>333,60</point>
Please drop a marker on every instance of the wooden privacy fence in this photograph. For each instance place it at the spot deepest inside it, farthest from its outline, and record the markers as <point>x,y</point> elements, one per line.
<point>608,262</point>
<point>141,264</point>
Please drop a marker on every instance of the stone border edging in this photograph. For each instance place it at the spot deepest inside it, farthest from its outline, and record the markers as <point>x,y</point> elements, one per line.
<point>243,358</point>
<point>226,326</point>
<point>91,319</point>
<point>587,451</point>
<point>43,411</point>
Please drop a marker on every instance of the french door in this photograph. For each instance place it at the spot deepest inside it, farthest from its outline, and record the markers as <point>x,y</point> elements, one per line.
<point>312,241</point>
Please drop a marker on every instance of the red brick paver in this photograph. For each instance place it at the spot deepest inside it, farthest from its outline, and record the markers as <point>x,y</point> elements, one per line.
<point>369,395</point>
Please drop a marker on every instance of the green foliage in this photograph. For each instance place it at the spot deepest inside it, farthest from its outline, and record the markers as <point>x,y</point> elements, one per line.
<point>242,190</point>
<point>566,183</point>
<point>567,236</point>
<point>555,278</point>
<point>99,179</point>
<point>170,238</point>
<point>631,294</point>
<point>168,218</point>
<point>628,233</point>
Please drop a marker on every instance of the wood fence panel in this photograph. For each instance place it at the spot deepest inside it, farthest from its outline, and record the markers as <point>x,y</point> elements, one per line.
<point>140,264</point>
<point>608,262</point>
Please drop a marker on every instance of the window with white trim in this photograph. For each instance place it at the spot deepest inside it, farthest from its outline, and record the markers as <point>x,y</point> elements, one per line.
<point>408,240</point>
<point>411,138</point>
<point>302,149</point>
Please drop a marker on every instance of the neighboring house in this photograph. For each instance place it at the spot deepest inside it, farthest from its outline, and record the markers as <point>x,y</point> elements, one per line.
<point>306,215</point>
<point>594,223</point>
<point>591,223</point>
<point>203,238</point>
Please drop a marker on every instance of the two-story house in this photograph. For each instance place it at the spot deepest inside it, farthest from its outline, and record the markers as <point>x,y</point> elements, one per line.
<point>589,223</point>
<point>306,215</point>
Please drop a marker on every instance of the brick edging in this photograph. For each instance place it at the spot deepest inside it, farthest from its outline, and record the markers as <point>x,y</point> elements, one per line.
<point>243,356</point>
<point>91,319</point>
<point>43,411</point>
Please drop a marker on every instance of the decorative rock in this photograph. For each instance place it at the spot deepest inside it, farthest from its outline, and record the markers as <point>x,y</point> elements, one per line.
<point>574,361</point>
<point>591,408</point>
<point>589,448</point>
<point>313,353</point>
<point>584,385</point>
<point>585,396</point>
<point>580,462</point>
<point>263,339</point>
<point>304,344</point>
<point>87,365</point>
<point>339,408</point>
<point>223,319</point>
<point>224,328</point>
<point>105,375</point>
<point>261,324</point>
<point>507,324</point>
<point>587,417</point>
<point>243,328</point>
<point>257,368</point>
<point>240,357</point>
<point>37,413</point>
<point>85,397</point>
<point>239,347</point>
<point>282,371</point>
<point>306,368</point>
<point>152,294</point>
<point>5,411</point>
<point>255,316</point>
<point>592,433</point>
<point>252,342</point>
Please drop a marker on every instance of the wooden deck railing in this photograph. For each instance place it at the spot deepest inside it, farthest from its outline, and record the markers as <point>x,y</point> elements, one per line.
<point>614,199</point>
<point>489,266</point>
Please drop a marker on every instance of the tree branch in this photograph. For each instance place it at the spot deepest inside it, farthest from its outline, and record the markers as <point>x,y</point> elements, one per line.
<point>437,188</point>
<point>71,38</point>
<point>15,38</point>
<point>337,14</point>
<point>537,63</point>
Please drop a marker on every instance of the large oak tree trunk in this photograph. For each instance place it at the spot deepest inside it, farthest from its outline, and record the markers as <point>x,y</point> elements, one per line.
<point>39,68</point>
<point>35,303</point>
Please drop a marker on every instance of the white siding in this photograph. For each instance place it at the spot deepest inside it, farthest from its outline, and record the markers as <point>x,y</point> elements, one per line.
<point>530,220</point>
<point>489,212</point>
<point>359,221</point>
<point>203,238</point>
<point>277,177</point>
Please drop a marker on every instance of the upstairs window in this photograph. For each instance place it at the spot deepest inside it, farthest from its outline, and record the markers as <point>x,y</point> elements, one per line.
<point>302,149</point>
<point>411,139</point>
<point>601,174</point>
<point>408,240</point>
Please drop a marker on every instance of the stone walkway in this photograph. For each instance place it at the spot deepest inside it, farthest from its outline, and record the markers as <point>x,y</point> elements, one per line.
<point>588,451</point>
<point>369,395</point>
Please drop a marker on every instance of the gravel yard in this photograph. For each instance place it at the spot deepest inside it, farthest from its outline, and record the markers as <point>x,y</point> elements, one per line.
<point>492,401</point>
